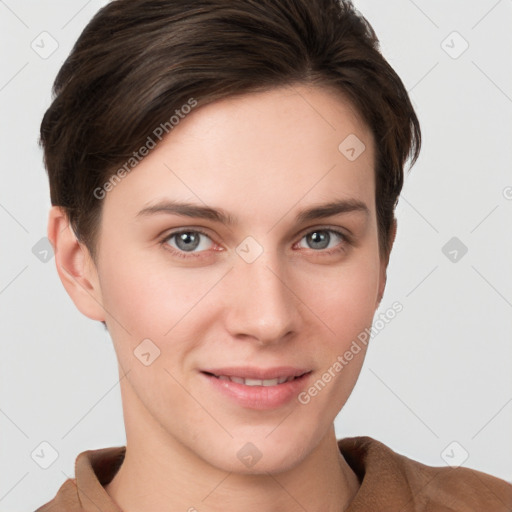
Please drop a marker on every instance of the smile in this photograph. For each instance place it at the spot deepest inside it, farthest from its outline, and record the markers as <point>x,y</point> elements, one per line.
<point>258,388</point>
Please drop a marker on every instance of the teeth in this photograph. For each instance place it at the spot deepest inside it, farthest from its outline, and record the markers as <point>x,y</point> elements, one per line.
<point>256,382</point>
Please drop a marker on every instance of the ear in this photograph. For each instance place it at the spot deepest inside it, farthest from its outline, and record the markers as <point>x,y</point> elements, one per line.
<point>75,266</point>
<point>384,263</point>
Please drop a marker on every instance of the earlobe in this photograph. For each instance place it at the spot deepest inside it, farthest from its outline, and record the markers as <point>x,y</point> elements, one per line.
<point>75,267</point>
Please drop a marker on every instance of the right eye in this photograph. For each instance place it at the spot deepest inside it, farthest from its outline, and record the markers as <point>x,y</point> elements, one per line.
<point>187,241</point>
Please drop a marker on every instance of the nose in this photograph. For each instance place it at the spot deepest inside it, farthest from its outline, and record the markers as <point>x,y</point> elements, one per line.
<point>261,304</point>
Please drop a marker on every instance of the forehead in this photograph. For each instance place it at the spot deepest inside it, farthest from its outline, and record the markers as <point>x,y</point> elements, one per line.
<point>257,155</point>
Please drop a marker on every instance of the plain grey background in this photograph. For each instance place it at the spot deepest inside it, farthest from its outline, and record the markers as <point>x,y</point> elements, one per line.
<point>437,382</point>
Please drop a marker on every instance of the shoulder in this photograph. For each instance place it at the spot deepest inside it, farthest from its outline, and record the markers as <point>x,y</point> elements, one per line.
<point>93,469</point>
<point>407,483</point>
<point>65,499</point>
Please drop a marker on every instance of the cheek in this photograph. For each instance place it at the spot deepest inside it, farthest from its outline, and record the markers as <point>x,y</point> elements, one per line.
<point>345,298</point>
<point>148,300</point>
<point>345,305</point>
<point>149,297</point>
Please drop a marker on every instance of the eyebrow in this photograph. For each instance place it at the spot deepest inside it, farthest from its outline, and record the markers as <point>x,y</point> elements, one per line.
<point>184,209</point>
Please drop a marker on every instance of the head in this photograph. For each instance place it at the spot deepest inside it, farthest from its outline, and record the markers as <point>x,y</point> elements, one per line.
<point>256,113</point>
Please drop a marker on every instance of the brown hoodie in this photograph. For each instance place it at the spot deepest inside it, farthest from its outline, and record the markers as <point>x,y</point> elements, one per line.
<point>390,482</point>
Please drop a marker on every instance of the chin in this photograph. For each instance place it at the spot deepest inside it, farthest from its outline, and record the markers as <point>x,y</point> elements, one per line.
<point>273,463</point>
<point>261,453</point>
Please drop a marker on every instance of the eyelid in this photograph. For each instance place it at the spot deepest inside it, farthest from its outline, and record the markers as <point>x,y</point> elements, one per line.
<point>186,229</point>
<point>344,232</point>
<point>345,240</point>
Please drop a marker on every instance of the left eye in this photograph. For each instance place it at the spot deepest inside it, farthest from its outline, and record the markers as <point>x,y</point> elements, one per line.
<point>322,238</point>
<point>188,241</point>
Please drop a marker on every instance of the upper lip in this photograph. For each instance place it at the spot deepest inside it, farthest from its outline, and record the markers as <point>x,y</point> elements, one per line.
<point>252,372</point>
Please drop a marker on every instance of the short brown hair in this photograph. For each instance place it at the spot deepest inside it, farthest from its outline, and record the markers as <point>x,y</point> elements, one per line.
<point>138,61</point>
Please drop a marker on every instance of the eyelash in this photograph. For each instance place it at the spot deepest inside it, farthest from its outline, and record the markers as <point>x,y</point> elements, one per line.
<point>345,239</point>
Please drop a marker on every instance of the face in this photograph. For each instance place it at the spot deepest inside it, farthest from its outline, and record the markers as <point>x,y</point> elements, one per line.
<point>209,304</point>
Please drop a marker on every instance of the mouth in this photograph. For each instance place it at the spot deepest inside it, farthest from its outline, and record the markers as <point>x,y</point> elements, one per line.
<point>258,388</point>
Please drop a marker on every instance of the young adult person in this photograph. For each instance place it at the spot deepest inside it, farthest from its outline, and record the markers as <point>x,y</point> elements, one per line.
<point>223,176</point>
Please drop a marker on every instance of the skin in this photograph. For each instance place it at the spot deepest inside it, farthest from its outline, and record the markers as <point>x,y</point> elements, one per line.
<point>262,158</point>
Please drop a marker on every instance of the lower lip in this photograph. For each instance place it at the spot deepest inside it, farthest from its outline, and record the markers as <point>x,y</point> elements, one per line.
<point>259,397</point>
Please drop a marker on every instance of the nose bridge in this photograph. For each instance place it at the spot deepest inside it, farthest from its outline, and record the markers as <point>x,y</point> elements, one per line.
<point>262,305</point>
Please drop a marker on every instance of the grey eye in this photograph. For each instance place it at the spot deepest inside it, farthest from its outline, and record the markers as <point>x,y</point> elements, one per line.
<point>189,241</point>
<point>322,238</point>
